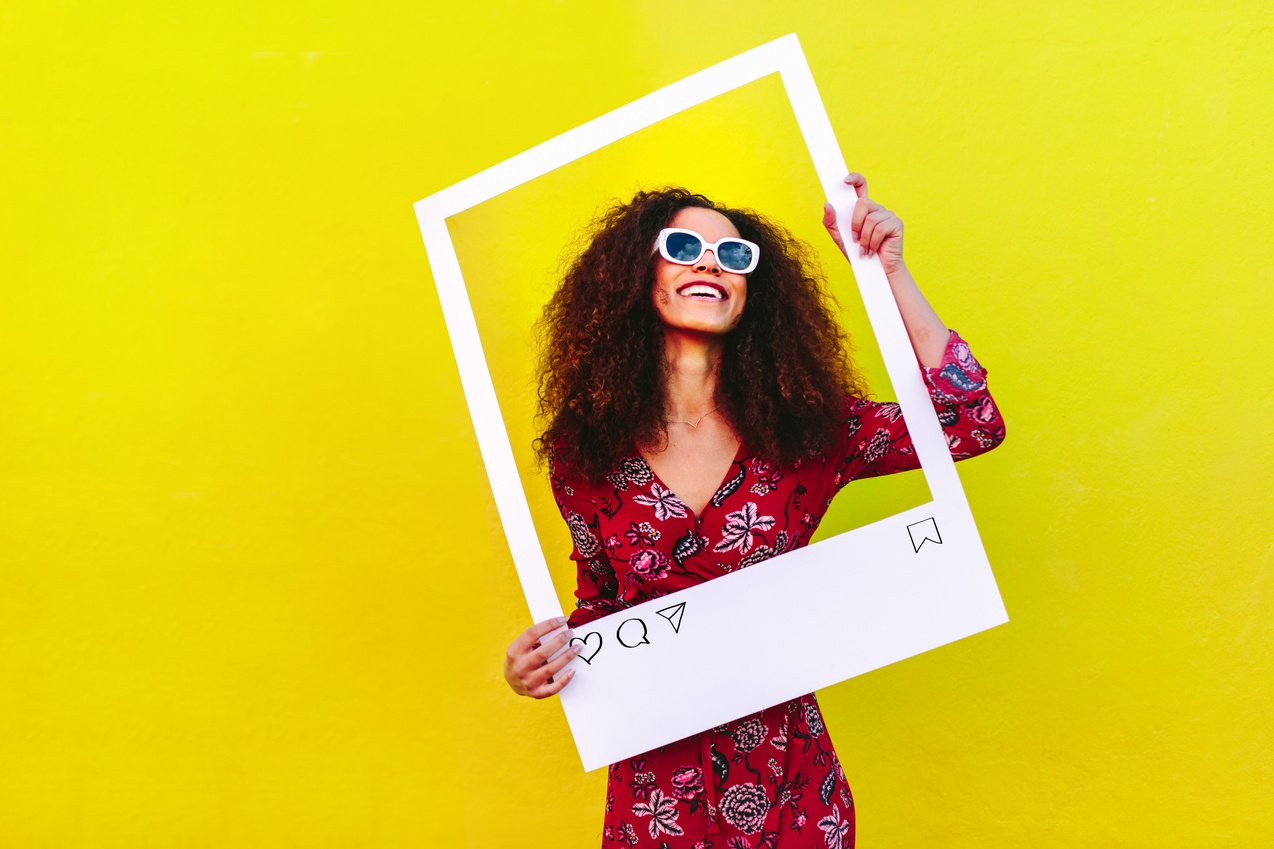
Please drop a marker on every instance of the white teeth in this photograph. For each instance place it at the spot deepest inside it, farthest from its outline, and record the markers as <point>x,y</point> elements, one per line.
<point>691,291</point>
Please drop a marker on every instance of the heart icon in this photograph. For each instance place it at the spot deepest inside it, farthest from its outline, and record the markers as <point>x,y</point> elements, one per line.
<point>591,646</point>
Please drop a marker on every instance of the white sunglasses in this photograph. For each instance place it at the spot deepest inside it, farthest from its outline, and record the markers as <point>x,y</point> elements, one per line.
<point>686,247</point>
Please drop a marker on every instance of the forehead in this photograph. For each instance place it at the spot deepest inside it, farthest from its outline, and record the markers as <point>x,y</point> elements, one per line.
<point>708,223</point>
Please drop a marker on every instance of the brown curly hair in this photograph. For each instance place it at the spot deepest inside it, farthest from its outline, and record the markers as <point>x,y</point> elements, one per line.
<point>784,374</point>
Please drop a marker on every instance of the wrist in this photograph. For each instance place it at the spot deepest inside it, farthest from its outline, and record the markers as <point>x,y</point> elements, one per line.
<point>898,272</point>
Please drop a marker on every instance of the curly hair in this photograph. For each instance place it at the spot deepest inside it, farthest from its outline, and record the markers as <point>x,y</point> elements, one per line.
<point>784,374</point>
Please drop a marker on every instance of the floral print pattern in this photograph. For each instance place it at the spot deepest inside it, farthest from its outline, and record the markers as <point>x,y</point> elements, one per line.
<point>744,806</point>
<point>662,812</point>
<point>649,564</point>
<point>836,831</point>
<point>739,527</point>
<point>665,503</point>
<point>771,779</point>
<point>687,782</point>
<point>748,734</point>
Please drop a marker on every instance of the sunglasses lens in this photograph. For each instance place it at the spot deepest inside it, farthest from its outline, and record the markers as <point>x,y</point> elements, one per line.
<point>734,256</point>
<point>683,247</point>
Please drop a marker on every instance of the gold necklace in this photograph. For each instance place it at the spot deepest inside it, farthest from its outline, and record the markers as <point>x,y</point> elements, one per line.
<point>695,423</point>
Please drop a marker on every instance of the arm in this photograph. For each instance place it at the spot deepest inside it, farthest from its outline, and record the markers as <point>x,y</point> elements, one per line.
<point>596,589</point>
<point>534,658</point>
<point>875,441</point>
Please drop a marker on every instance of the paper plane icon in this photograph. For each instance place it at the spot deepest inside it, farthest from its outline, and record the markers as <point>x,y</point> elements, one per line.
<point>673,615</point>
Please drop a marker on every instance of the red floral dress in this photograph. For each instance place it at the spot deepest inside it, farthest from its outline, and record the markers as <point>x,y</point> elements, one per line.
<point>771,779</point>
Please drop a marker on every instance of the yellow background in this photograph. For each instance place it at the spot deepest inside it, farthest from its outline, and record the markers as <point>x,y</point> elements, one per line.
<point>253,591</point>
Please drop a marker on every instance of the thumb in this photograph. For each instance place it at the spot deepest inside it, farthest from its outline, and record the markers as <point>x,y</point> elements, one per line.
<point>829,221</point>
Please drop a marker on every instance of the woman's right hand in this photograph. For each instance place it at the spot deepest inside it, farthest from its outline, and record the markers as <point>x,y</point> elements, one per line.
<point>527,667</point>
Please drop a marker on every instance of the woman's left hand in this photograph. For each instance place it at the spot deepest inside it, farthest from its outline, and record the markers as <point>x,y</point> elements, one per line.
<point>876,230</point>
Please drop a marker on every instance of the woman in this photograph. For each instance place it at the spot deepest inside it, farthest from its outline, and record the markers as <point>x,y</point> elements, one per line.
<point>702,413</point>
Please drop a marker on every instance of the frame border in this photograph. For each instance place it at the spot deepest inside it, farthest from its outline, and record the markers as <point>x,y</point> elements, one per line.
<point>602,740</point>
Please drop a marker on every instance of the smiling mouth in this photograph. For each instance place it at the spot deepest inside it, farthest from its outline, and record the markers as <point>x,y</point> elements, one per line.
<point>703,291</point>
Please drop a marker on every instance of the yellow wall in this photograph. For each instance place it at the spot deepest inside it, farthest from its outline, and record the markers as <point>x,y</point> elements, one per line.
<point>253,591</point>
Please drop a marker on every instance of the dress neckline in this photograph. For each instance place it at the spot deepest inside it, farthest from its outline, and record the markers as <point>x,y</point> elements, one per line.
<point>725,478</point>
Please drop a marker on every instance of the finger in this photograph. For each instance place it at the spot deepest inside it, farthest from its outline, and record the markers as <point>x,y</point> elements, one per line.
<point>526,664</point>
<point>532,635</point>
<point>548,671</point>
<point>551,689</point>
<point>888,227</point>
<point>859,182</point>
<point>829,221</point>
<point>529,658</point>
<point>870,223</point>
<point>541,656</point>
<point>862,209</point>
<point>856,220</point>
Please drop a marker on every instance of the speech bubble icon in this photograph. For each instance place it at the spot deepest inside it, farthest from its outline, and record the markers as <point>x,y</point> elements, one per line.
<point>631,633</point>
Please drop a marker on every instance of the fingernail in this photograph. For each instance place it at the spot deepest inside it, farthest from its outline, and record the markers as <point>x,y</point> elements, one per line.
<point>570,634</point>
<point>561,620</point>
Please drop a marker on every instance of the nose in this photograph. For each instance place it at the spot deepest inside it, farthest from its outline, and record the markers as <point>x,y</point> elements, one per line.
<point>708,263</point>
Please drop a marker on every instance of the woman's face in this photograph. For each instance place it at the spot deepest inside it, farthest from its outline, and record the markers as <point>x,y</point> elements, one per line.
<point>700,298</point>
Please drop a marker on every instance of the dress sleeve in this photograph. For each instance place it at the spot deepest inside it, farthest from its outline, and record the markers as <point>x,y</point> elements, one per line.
<point>596,588</point>
<point>874,439</point>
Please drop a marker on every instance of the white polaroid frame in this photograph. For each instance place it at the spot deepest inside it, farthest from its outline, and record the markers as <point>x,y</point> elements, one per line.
<point>667,669</point>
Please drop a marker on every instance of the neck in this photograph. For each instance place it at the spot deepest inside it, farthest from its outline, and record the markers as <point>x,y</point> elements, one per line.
<point>692,361</point>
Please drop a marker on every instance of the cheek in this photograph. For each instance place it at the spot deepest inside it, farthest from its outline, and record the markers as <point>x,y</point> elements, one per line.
<point>663,287</point>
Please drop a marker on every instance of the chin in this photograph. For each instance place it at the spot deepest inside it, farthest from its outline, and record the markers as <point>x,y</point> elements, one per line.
<point>703,330</point>
<point>718,325</point>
